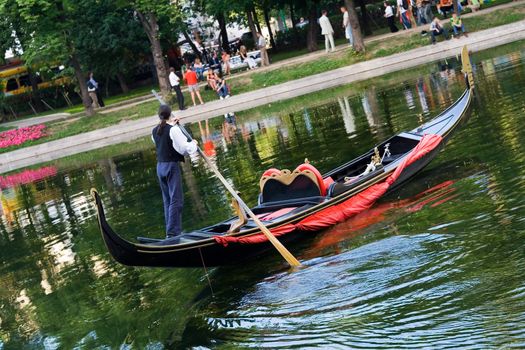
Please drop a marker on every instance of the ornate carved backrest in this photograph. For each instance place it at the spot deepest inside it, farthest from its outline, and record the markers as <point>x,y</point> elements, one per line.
<point>286,184</point>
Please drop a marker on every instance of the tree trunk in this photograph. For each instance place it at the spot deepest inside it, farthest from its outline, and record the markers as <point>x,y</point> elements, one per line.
<point>359,44</point>
<point>364,17</point>
<point>86,100</point>
<point>267,20</point>
<point>311,38</point>
<point>122,82</point>
<point>149,22</point>
<point>251,24</point>
<point>256,20</point>
<point>225,41</point>
<point>292,14</point>
<point>192,44</point>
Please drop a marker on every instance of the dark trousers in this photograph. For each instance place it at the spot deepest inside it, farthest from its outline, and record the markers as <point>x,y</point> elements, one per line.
<point>180,96</point>
<point>170,180</point>
<point>391,24</point>
<point>100,101</point>
<point>433,34</point>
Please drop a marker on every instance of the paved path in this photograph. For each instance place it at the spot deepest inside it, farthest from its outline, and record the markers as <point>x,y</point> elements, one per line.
<point>128,131</point>
<point>288,62</point>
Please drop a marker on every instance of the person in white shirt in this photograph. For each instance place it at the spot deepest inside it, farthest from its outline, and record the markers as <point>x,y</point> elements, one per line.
<point>171,146</point>
<point>437,29</point>
<point>327,31</point>
<point>261,45</point>
<point>402,12</point>
<point>175,86</point>
<point>389,15</point>
<point>346,26</point>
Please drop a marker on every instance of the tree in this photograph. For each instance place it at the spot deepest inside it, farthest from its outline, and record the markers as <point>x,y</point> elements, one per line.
<point>359,44</point>
<point>51,25</point>
<point>266,14</point>
<point>13,36</point>
<point>149,12</point>
<point>220,9</point>
<point>113,47</point>
<point>151,27</point>
<point>311,39</point>
<point>364,17</point>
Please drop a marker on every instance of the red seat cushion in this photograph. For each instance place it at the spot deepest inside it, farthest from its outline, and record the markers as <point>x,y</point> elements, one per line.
<point>320,180</point>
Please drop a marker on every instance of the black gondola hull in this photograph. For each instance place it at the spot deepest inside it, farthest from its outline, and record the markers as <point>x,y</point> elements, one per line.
<point>208,252</point>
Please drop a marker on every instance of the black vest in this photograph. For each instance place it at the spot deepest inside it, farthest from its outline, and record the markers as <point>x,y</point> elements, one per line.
<point>164,145</point>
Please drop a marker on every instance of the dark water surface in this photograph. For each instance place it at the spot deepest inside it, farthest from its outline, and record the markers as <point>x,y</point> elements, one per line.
<point>438,263</point>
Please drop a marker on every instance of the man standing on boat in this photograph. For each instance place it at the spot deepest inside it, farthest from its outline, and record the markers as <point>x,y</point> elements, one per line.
<point>171,146</point>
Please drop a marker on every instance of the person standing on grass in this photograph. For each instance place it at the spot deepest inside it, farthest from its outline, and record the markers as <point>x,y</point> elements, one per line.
<point>402,13</point>
<point>193,85</point>
<point>346,26</point>
<point>175,86</point>
<point>171,146</point>
<point>199,68</point>
<point>327,31</point>
<point>437,29</point>
<point>261,45</point>
<point>389,15</point>
<point>92,87</point>
<point>226,62</point>
<point>457,25</point>
<point>92,91</point>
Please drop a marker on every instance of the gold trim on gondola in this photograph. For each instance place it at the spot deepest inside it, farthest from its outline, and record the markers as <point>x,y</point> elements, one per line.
<point>286,177</point>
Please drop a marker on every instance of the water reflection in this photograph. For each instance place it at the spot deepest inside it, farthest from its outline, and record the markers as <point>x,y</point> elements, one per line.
<point>437,263</point>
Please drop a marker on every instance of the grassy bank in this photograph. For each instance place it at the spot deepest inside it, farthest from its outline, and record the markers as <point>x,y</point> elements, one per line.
<point>257,80</point>
<point>374,50</point>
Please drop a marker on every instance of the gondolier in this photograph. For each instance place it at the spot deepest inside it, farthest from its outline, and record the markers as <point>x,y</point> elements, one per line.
<point>171,146</point>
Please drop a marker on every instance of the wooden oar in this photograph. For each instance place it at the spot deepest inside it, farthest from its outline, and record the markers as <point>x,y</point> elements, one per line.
<point>278,245</point>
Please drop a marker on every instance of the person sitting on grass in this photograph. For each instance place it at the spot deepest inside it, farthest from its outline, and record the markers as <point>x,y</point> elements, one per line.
<point>437,29</point>
<point>444,7</point>
<point>222,88</point>
<point>457,25</point>
<point>211,78</point>
<point>474,5</point>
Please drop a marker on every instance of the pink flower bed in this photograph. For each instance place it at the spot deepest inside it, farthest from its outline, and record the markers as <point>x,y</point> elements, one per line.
<point>27,176</point>
<point>18,136</point>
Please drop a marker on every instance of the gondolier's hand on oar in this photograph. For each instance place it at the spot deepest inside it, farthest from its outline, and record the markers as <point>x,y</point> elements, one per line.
<point>269,235</point>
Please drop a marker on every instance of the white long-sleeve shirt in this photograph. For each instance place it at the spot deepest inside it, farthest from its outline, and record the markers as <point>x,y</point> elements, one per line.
<point>174,79</point>
<point>326,26</point>
<point>180,142</point>
<point>346,19</point>
<point>389,12</point>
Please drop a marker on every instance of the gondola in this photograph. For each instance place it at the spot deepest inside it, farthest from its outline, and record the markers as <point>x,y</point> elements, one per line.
<point>296,204</point>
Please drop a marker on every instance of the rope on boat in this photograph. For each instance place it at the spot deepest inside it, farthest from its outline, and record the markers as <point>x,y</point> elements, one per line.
<point>206,273</point>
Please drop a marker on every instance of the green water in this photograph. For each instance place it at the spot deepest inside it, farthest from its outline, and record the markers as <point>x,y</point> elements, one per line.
<point>438,263</point>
